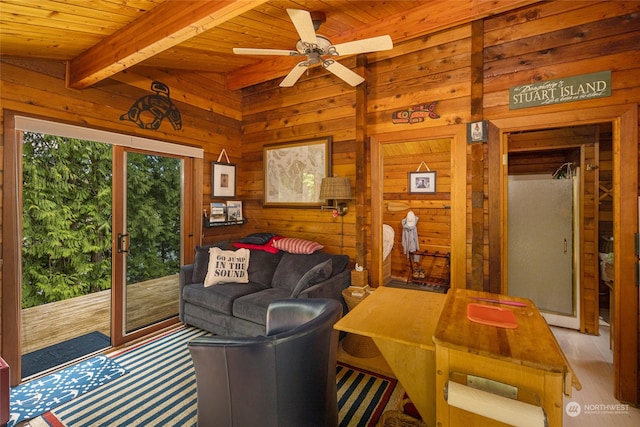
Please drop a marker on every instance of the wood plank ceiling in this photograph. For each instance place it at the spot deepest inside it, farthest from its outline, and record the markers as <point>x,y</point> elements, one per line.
<point>100,38</point>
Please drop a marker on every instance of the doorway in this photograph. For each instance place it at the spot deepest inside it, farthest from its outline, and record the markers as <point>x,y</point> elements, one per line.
<point>66,250</point>
<point>624,121</point>
<point>454,137</point>
<point>553,181</point>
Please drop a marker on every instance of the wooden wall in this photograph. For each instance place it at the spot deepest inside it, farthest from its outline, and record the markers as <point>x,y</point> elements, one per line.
<point>317,106</point>
<point>552,40</point>
<point>431,69</point>
<point>560,39</point>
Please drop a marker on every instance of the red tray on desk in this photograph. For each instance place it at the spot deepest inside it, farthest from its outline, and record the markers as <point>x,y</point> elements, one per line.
<point>492,316</point>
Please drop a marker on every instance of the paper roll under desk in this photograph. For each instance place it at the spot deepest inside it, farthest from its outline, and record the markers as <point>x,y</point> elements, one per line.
<point>495,407</point>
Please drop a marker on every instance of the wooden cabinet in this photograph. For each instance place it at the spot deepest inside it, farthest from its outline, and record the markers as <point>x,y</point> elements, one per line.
<point>526,358</point>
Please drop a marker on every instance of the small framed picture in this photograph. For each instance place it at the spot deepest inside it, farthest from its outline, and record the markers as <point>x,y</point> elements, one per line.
<point>477,132</point>
<point>234,211</point>
<point>422,182</point>
<point>218,212</point>
<point>223,180</point>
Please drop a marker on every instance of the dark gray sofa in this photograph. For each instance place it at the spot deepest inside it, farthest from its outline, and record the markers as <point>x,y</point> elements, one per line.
<point>240,309</point>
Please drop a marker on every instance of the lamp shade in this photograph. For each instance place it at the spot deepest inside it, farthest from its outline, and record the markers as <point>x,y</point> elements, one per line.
<point>335,188</point>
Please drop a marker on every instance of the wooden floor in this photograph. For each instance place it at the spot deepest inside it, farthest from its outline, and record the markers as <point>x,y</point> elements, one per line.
<point>60,321</point>
<point>592,361</point>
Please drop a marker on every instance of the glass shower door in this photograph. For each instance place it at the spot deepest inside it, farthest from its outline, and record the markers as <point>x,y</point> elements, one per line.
<point>541,242</point>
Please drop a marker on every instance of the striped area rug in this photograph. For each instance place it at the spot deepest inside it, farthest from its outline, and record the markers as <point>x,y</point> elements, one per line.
<point>160,390</point>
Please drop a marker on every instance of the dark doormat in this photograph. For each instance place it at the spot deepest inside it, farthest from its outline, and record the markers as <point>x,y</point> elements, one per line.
<point>58,354</point>
<point>417,286</point>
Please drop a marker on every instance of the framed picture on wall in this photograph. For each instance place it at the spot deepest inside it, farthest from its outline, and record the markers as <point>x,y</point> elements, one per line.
<point>422,182</point>
<point>477,132</point>
<point>234,211</point>
<point>223,180</point>
<point>293,172</point>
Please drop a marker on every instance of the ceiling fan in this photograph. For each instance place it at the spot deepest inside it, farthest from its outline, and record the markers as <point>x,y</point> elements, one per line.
<point>316,47</point>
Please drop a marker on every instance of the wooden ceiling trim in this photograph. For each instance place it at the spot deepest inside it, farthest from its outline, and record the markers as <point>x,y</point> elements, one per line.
<point>161,28</point>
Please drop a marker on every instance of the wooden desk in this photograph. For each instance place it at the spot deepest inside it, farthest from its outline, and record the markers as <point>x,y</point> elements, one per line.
<point>402,322</point>
<point>528,357</point>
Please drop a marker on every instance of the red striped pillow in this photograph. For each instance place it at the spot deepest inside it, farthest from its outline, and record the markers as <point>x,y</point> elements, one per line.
<point>267,247</point>
<point>297,246</point>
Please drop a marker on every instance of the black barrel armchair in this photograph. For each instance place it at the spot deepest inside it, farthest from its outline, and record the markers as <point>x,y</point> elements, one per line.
<point>284,379</point>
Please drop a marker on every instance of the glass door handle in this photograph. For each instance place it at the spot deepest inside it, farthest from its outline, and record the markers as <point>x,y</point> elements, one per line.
<point>123,242</point>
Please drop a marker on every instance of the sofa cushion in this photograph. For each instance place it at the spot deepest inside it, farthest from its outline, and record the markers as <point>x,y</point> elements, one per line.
<point>257,238</point>
<point>227,266</point>
<point>253,307</point>
<point>317,274</point>
<point>201,261</point>
<point>220,297</point>
<point>262,266</point>
<point>267,247</point>
<point>297,246</point>
<point>339,262</point>
<point>293,266</point>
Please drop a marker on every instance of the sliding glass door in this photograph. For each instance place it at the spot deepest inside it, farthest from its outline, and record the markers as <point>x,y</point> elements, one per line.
<point>72,213</point>
<point>153,200</point>
<point>65,249</point>
<point>98,217</point>
<point>147,233</point>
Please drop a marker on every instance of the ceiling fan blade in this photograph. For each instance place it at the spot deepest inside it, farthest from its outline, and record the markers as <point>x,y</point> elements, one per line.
<point>343,72</point>
<point>278,52</point>
<point>373,44</point>
<point>295,74</point>
<point>304,25</point>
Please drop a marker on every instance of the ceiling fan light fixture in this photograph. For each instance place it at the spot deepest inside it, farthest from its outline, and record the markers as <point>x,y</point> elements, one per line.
<point>322,48</point>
